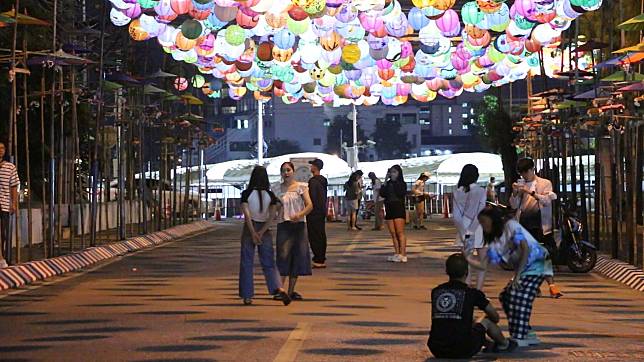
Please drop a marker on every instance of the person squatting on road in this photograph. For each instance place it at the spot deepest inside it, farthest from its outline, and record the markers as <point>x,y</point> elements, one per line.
<point>315,221</point>
<point>293,255</point>
<point>510,243</point>
<point>469,201</point>
<point>259,206</point>
<point>394,191</point>
<point>532,197</point>
<point>453,333</point>
<point>418,191</point>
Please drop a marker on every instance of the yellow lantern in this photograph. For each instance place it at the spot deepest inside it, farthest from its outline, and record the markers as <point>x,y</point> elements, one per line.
<point>351,53</point>
<point>184,43</point>
<point>136,31</point>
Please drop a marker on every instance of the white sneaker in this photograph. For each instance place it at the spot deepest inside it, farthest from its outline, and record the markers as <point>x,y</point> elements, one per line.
<point>403,259</point>
<point>533,339</point>
<point>522,342</point>
<point>394,258</point>
<point>3,263</point>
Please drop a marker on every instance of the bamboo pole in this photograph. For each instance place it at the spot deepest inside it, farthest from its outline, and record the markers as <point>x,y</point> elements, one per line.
<point>61,164</point>
<point>52,143</point>
<point>43,170</point>
<point>30,239</point>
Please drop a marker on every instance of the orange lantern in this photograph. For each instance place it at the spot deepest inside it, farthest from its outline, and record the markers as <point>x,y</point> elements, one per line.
<point>277,21</point>
<point>482,41</point>
<point>282,55</point>
<point>331,41</point>
<point>136,32</point>
<point>386,74</point>
<point>184,43</point>
<point>247,18</point>
<point>475,32</point>
<point>444,4</point>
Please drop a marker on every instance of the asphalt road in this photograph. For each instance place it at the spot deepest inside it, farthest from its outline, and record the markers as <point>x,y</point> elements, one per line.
<point>179,302</point>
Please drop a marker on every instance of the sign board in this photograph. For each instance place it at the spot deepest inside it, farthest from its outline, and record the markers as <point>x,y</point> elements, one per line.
<point>302,168</point>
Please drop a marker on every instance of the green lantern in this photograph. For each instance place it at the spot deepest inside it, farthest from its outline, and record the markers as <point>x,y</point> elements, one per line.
<point>148,4</point>
<point>523,23</point>
<point>191,29</point>
<point>298,27</point>
<point>235,35</point>
<point>471,13</point>
<point>494,55</point>
<point>198,81</point>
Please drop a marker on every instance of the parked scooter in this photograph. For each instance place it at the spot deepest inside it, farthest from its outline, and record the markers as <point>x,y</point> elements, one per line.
<point>578,254</point>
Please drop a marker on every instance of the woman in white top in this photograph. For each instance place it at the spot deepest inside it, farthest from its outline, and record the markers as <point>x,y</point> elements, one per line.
<point>259,205</point>
<point>469,201</point>
<point>293,255</point>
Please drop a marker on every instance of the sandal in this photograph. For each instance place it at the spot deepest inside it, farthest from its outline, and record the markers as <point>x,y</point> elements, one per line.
<point>248,301</point>
<point>296,296</point>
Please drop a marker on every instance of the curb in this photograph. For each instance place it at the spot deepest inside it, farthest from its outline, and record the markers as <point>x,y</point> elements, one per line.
<point>18,275</point>
<point>620,271</point>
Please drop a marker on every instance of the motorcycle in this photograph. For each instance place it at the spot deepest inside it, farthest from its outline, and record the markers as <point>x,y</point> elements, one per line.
<point>579,255</point>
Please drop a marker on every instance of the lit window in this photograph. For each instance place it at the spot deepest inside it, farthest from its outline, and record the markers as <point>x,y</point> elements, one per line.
<point>464,104</point>
<point>449,120</point>
<point>449,131</point>
<point>242,123</point>
<point>471,110</point>
<point>465,115</point>
<point>449,109</point>
<point>466,126</point>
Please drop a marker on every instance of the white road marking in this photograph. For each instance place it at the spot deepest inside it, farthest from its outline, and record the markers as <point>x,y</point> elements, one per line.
<point>291,347</point>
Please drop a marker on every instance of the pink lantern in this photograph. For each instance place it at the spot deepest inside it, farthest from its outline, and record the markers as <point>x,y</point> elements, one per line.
<point>207,43</point>
<point>370,21</point>
<point>133,12</point>
<point>181,6</point>
<point>180,83</point>
<point>384,64</point>
<point>458,62</point>
<point>449,24</point>
<point>403,89</point>
<point>247,18</point>
<point>199,14</point>
<point>406,50</point>
<point>435,84</point>
<point>525,8</point>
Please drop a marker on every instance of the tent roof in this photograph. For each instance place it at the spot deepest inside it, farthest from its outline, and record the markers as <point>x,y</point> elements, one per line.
<point>633,24</point>
<point>621,76</point>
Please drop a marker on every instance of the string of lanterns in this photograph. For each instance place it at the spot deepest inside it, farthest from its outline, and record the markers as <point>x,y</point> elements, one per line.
<point>360,51</point>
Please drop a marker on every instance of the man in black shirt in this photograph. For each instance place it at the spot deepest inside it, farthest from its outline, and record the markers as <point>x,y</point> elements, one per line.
<point>453,333</point>
<point>315,221</point>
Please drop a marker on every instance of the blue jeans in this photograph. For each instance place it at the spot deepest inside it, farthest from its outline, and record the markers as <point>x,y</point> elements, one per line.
<point>266,258</point>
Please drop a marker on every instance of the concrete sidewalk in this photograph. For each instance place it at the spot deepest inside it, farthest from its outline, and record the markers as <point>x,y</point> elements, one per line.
<point>179,302</point>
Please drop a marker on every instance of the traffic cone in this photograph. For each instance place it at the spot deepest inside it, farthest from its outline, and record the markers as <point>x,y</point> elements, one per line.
<point>445,206</point>
<point>218,213</point>
<point>330,210</point>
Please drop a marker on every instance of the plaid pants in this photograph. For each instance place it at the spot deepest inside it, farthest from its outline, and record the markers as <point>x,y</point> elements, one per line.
<point>517,304</point>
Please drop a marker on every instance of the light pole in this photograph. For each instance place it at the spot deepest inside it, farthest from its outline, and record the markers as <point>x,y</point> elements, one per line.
<point>260,132</point>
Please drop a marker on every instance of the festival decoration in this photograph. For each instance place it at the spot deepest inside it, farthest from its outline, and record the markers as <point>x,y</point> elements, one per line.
<point>360,51</point>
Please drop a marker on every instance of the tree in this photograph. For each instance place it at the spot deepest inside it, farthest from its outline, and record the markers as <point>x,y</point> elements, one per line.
<point>494,126</point>
<point>390,142</point>
<point>342,123</point>
<point>279,147</point>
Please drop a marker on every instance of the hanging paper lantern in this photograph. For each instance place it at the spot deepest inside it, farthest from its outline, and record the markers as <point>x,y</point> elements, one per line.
<point>148,4</point>
<point>198,81</point>
<point>443,4</point>
<point>118,18</point>
<point>247,18</point>
<point>235,35</point>
<point>180,84</point>
<point>423,3</point>
<point>181,6</point>
<point>351,53</point>
<point>449,24</point>
<point>202,5</point>
<point>284,39</point>
<point>471,13</point>
<point>297,27</point>
<point>417,19</point>
<point>191,29</point>
<point>136,32</point>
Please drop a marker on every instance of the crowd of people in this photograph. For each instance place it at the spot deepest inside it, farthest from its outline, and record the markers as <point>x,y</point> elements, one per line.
<point>518,237</point>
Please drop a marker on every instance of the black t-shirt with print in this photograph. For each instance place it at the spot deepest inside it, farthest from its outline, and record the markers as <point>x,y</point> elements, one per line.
<point>452,313</point>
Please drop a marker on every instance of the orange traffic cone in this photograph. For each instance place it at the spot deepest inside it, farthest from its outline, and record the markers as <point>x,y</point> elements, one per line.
<point>330,210</point>
<point>218,213</point>
<point>446,206</point>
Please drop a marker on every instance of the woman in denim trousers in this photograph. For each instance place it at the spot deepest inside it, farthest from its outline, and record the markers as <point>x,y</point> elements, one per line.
<point>293,255</point>
<point>259,205</point>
